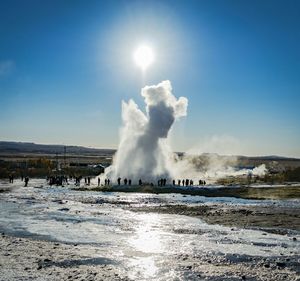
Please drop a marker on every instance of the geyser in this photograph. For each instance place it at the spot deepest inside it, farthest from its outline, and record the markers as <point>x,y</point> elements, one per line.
<point>143,151</point>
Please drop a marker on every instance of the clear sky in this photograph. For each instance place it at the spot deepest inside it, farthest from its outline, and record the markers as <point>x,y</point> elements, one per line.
<point>65,67</point>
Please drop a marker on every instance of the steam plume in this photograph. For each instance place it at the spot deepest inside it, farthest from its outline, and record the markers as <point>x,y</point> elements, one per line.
<point>143,150</point>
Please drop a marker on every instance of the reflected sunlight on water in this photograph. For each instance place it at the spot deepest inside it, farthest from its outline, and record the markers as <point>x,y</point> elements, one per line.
<point>147,238</point>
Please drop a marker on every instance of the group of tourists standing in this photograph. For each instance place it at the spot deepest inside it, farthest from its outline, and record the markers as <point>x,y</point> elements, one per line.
<point>160,182</point>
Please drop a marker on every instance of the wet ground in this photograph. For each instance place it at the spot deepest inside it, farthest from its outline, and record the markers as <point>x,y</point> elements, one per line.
<point>55,233</point>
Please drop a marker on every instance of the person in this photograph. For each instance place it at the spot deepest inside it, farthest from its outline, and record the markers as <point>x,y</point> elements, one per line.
<point>191,182</point>
<point>129,182</point>
<point>183,182</point>
<point>125,181</point>
<point>105,182</point>
<point>85,180</point>
<point>165,182</point>
<point>186,182</point>
<point>98,181</point>
<point>179,182</point>
<point>26,181</point>
<point>173,182</point>
<point>140,182</point>
<point>89,180</point>
<point>119,181</point>
<point>108,181</point>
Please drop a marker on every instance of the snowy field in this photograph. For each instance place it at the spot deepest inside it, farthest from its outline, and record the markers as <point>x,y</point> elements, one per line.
<point>112,242</point>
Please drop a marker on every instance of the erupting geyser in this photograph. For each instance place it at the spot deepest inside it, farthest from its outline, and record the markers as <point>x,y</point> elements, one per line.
<point>143,151</point>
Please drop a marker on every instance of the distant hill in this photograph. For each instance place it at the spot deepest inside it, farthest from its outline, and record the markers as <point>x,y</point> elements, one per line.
<point>9,147</point>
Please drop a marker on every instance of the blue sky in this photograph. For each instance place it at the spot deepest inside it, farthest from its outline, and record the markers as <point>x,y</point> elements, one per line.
<point>65,67</point>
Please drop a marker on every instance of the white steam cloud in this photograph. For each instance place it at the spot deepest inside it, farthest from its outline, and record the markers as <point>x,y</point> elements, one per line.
<point>143,151</point>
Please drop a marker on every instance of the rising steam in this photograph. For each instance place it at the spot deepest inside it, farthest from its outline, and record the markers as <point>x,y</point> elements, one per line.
<point>143,151</point>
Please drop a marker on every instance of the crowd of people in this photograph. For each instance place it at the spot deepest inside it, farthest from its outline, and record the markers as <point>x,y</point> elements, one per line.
<point>61,180</point>
<point>160,182</point>
<point>57,180</point>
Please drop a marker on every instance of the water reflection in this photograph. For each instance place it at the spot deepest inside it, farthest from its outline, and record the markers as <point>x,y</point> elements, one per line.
<point>147,238</point>
<point>146,243</point>
<point>143,268</point>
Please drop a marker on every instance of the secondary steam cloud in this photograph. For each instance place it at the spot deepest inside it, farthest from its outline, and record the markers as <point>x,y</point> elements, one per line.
<point>143,150</point>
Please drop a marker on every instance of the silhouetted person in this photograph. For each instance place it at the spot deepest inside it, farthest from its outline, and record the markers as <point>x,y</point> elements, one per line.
<point>183,182</point>
<point>164,182</point>
<point>89,180</point>
<point>200,182</point>
<point>191,182</point>
<point>119,181</point>
<point>129,182</point>
<point>26,181</point>
<point>125,181</point>
<point>98,181</point>
<point>179,182</point>
<point>85,180</point>
<point>187,182</point>
<point>108,181</point>
<point>105,182</point>
<point>204,182</point>
<point>173,182</point>
<point>140,182</point>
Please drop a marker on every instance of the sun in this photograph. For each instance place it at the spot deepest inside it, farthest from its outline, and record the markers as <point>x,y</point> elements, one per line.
<point>143,56</point>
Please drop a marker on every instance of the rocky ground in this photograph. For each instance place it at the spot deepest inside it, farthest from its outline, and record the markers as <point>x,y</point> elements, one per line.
<point>26,259</point>
<point>64,234</point>
<point>280,220</point>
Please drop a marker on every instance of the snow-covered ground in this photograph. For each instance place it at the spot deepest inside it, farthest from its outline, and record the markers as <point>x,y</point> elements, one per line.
<point>145,246</point>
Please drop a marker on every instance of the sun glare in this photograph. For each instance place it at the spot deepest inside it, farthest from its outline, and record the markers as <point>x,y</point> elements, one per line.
<point>143,57</point>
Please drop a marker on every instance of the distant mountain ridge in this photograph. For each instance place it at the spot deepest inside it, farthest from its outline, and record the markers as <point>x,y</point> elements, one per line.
<point>30,147</point>
<point>10,147</point>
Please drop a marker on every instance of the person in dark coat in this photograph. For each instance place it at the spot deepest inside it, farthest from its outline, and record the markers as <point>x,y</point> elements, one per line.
<point>26,181</point>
